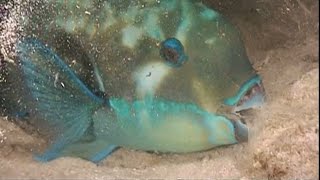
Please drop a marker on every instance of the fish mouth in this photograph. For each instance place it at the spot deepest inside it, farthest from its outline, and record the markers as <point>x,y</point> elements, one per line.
<point>250,95</point>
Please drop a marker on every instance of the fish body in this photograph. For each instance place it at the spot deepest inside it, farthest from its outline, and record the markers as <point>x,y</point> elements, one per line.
<point>147,75</point>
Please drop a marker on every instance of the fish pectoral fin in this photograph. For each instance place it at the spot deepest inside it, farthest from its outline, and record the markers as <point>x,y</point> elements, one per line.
<point>94,151</point>
<point>57,148</point>
<point>62,101</point>
<point>77,132</point>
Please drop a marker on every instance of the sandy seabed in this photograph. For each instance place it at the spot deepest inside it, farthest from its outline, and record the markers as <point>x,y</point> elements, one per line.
<point>282,42</point>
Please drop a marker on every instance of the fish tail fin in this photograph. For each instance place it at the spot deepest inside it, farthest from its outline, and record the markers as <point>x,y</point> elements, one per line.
<point>63,102</point>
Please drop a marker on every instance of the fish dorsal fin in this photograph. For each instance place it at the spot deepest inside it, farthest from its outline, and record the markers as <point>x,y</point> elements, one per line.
<point>63,102</point>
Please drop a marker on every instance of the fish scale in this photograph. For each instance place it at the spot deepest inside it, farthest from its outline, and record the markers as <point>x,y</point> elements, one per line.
<point>147,75</point>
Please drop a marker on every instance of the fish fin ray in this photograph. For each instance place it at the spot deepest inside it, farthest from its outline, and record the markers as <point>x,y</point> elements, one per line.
<point>94,151</point>
<point>62,100</point>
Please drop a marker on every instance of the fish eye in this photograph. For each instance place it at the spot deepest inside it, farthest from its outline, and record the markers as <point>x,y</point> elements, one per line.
<point>172,52</point>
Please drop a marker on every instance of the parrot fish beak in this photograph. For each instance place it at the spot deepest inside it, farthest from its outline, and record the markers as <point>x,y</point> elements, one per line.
<point>250,95</point>
<point>241,131</point>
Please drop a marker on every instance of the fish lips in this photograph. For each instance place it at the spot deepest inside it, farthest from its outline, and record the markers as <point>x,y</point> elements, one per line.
<point>250,95</point>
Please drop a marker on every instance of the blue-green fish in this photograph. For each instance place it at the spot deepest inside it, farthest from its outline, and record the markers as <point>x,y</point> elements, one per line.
<point>165,76</point>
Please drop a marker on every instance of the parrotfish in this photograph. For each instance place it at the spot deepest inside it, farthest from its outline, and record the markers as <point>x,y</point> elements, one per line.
<point>165,76</point>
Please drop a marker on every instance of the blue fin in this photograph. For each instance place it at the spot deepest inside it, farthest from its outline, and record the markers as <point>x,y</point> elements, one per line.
<point>64,103</point>
<point>94,151</point>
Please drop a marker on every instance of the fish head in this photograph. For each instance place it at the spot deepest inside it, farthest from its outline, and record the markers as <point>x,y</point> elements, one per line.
<point>181,53</point>
<point>190,54</point>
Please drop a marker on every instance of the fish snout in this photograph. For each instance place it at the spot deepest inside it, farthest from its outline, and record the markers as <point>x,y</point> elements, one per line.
<point>250,95</point>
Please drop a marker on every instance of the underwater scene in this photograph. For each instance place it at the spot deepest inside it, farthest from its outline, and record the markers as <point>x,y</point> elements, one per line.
<point>155,89</point>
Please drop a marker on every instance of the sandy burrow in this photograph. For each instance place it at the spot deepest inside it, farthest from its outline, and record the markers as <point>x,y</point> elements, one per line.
<point>283,140</point>
<point>283,134</point>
